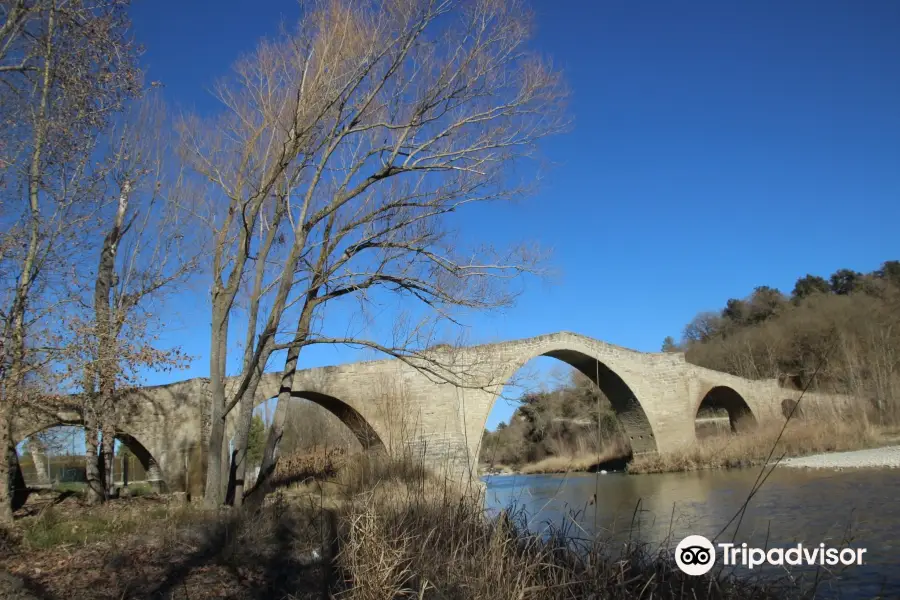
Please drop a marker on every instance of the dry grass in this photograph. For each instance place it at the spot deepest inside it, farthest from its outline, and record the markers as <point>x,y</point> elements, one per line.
<point>583,453</point>
<point>582,461</point>
<point>427,541</point>
<point>375,479</point>
<point>316,463</point>
<point>405,532</point>
<point>753,446</point>
<point>399,531</point>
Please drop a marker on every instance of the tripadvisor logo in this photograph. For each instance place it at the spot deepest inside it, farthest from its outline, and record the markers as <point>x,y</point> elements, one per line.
<point>696,555</point>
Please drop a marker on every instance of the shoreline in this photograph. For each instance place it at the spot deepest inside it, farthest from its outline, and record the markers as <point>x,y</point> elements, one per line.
<point>877,457</point>
<point>883,457</point>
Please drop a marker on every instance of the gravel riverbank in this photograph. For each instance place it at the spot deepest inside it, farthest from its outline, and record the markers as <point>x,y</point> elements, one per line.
<point>886,457</point>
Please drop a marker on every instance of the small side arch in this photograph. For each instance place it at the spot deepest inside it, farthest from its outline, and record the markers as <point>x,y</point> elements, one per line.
<point>148,463</point>
<point>368,438</point>
<point>349,416</point>
<point>719,403</point>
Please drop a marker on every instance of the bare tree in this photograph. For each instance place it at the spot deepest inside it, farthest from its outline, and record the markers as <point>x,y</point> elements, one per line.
<point>367,128</point>
<point>144,248</point>
<point>66,67</point>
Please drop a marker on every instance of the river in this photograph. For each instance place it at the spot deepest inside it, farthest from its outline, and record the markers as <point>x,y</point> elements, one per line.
<point>860,509</point>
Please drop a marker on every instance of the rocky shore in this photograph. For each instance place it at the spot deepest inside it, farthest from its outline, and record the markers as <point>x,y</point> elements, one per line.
<point>874,458</point>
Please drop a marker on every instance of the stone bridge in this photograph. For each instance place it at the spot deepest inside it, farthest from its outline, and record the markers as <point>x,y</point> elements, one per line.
<point>437,403</point>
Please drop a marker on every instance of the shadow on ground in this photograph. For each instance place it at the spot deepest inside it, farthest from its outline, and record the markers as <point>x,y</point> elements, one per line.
<point>183,553</point>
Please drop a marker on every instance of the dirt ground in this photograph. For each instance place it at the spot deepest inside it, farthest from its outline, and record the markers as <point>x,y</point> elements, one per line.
<point>154,547</point>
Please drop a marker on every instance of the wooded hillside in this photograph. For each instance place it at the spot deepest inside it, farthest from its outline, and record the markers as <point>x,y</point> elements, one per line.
<point>847,326</point>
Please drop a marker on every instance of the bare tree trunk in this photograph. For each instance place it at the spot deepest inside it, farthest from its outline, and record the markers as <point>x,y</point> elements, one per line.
<point>236,485</point>
<point>256,357</point>
<point>107,453</point>
<point>105,338</point>
<point>92,469</point>
<point>223,295</point>
<point>276,431</point>
<point>238,474</point>
<point>213,495</point>
<point>93,466</point>
<point>6,471</point>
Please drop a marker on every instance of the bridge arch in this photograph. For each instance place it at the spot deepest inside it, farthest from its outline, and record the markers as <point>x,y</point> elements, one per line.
<point>615,383</point>
<point>139,450</point>
<point>359,426</point>
<point>725,399</point>
<point>349,416</point>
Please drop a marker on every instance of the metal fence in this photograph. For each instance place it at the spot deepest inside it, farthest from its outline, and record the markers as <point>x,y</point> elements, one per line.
<point>70,469</point>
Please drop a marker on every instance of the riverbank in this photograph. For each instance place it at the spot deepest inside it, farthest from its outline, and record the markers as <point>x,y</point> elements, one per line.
<point>726,451</point>
<point>390,532</point>
<point>766,442</point>
<point>573,463</point>
<point>886,457</point>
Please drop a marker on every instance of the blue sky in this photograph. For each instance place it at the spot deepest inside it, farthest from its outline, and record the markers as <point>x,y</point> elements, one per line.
<point>717,146</point>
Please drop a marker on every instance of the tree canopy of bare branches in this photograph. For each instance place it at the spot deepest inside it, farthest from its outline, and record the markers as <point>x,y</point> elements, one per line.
<point>341,151</point>
<point>65,69</point>
<point>344,151</point>
<point>143,248</point>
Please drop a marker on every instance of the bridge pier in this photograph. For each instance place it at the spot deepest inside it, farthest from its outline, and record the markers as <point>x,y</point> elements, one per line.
<point>39,458</point>
<point>155,478</point>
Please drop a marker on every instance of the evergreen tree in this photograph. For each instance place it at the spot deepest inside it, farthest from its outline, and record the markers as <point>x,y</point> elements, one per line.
<point>257,440</point>
<point>808,285</point>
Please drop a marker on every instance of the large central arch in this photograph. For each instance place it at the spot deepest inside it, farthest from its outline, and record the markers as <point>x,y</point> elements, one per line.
<point>623,400</point>
<point>621,396</point>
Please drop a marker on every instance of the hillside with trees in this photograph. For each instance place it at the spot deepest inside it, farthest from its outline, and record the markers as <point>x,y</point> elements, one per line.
<point>840,334</point>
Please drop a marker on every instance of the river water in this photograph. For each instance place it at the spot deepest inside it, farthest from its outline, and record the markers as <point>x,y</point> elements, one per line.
<point>859,509</point>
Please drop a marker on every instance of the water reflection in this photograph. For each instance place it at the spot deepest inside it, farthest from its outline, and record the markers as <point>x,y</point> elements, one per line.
<point>793,506</point>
